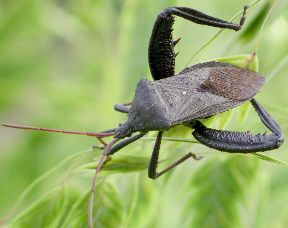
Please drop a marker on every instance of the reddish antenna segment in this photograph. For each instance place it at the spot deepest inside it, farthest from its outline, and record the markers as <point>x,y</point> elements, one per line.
<point>95,134</point>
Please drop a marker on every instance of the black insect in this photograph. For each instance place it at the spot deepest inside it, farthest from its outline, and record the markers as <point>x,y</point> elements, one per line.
<point>197,92</point>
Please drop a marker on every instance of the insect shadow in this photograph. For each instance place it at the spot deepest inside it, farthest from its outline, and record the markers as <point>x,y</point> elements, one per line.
<point>197,92</point>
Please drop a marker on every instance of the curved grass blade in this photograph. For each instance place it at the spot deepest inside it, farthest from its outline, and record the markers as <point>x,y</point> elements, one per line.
<point>119,164</point>
<point>215,36</point>
<point>270,159</point>
<point>40,179</point>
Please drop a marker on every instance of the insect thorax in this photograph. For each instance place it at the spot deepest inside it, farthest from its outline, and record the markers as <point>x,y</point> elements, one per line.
<point>148,111</point>
<point>197,92</point>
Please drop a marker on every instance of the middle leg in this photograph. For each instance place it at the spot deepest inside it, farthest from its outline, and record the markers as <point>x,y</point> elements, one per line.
<point>152,170</point>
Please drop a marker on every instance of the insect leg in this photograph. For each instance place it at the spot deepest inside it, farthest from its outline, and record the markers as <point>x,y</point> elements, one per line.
<point>125,142</point>
<point>161,47</point>
<point>122,108</point>
<point>203,19</point>
<point>152,170</point>
<point>110,149</point>
<point>242,142</point>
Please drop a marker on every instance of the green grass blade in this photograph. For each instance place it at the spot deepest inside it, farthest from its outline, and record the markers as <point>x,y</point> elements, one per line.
<point>270,159</point>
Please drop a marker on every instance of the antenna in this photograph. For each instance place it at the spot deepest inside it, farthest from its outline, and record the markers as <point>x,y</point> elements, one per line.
<point>98,135</point>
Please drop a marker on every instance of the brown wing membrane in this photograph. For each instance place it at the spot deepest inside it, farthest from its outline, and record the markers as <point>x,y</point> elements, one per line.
<point>233,83</point>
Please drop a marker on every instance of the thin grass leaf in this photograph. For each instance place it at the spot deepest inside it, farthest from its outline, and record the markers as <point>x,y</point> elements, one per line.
<point>64,207</point>
<point>170,139</point>
<point>41,179</point>
<point>270,159</point>
<point>252,29</point>
<point>46,210</point>
<point>278,68</point>
<point>217,189</point>
<point>108,208</point>
<point>215,36</point>
<point>119,164</point>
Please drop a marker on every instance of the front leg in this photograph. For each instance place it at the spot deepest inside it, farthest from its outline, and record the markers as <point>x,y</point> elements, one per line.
<point>124,108</point>
<point>242,142</point>
<point>161,47</point>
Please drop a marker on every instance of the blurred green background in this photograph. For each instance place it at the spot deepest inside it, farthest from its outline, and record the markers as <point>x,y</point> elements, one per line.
<point>64,64</point>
